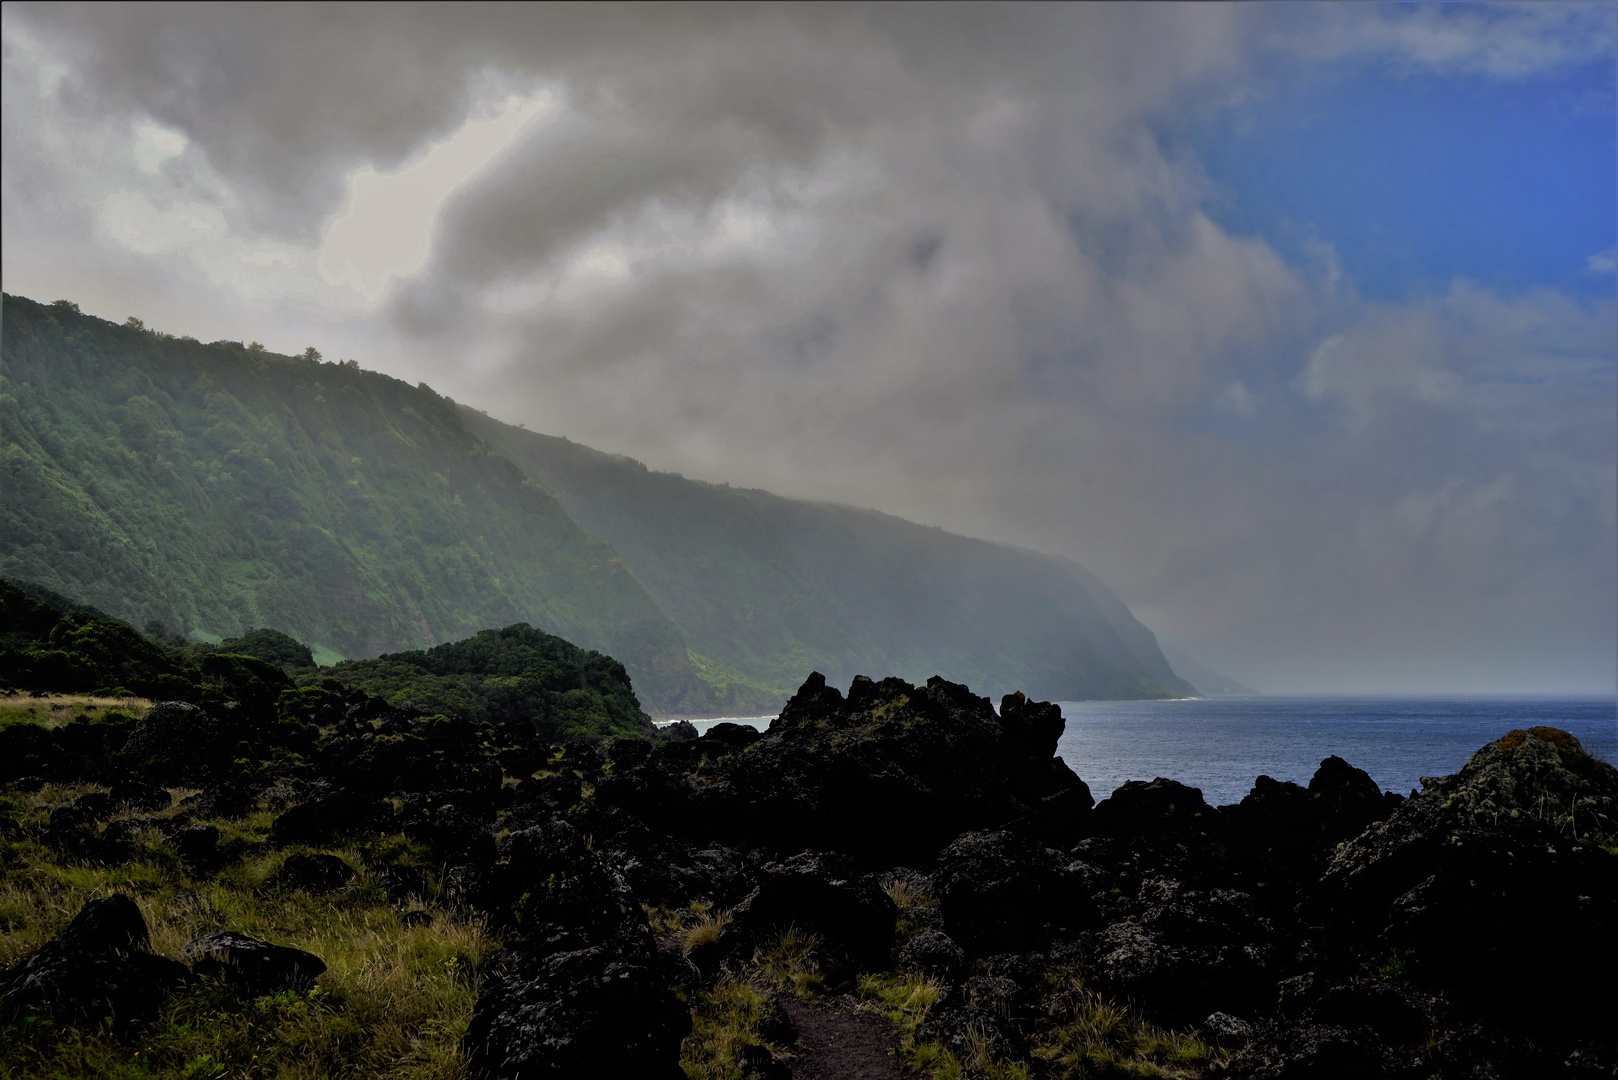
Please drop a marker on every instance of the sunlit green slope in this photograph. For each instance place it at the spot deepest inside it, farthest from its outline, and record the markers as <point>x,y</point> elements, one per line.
<point>217,487</point>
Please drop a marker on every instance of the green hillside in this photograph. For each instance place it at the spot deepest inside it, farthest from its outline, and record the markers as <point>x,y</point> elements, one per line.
<point>219,487</point>
<point>215,488</point>
<point>765,588</point>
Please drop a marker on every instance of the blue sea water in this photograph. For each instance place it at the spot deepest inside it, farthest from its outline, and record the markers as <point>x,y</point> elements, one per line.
<point>1221,744</point>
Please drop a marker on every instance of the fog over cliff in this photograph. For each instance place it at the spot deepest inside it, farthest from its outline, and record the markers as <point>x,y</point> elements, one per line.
<point>1294,323</point>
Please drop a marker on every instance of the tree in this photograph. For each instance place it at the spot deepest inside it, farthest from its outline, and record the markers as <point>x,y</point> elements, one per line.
<point>312,354</point>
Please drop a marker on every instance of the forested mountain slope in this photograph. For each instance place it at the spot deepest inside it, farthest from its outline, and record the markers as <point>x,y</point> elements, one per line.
<point>218,487</point>
<point>765,588</point>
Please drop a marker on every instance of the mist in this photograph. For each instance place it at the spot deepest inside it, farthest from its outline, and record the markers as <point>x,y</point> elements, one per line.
<point>1094,280</point>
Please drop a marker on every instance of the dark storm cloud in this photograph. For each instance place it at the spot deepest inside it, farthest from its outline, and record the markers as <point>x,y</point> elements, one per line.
<point>949,262</point>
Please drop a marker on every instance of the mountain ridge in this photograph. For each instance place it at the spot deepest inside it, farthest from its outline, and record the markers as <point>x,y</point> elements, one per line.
<point>216,487</point>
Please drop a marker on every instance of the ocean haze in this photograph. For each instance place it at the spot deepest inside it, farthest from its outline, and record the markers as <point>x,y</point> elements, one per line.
<point>1061,277</point>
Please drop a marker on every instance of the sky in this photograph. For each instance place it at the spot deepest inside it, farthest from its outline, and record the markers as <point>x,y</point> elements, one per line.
<point>1296,323</point>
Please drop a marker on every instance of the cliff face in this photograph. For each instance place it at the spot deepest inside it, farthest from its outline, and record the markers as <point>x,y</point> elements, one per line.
<point>765,588</point>
<point>218,487</point>
<point>213,488</point>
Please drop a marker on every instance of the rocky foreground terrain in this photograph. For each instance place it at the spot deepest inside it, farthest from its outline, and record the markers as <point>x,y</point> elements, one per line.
<point>908,847</point>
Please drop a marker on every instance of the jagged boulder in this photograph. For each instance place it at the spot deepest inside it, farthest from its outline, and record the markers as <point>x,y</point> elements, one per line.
<point>251,966</point>
<point>820,894</point>
<point>1002,892</point>
<point>99,968</point>
<point>134,795</point>
<point>551,887</point>
<point>602,1010</point>
<point>933,952</point>
<point>887,775</point>
<point>1344,800</point>
<point>316,873</point>
<point>326,817</point>
<point>1446,882</point>
<point>173,744</point>
<point>1141,808</point>
<point>1542,773</point>
<point>197,845</point>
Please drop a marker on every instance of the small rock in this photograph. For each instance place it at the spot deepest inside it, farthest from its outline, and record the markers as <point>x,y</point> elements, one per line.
<point>252,966</point>
<point>1223,1029</point>
<point>933,953</point>
<point>315,873</point>
<point>198,845</point>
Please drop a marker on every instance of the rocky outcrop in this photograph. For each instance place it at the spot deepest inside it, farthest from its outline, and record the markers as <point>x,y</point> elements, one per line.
<point>100,968</point>
<point>890,771</point>
<point>820,894</point>
<point>579,990</point>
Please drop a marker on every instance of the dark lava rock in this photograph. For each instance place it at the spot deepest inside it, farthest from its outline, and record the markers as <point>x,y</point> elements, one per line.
<point>317,873</point>
<point>251,966</point>
<point>28,784</point>
<point>727,738</point>
<point>1343,800</point>
<point>95,805</point>
<point>1184,952</point>
<point>600,1011</point>
<point>819,894</point>
<point>1543,773</point>
<point>627,753</point>
<point>173,744</point>
<point>198,845</point>
<point>1314,1052</point>
<point>983,1013</point>
<point>887,775</point>
<point>1223,1029</point>
<point>758,1063</point>
<point>681,731</point>
<point>98,969</point>
<point>325,817</point>
<point>231,802</point>
<point>551,887</point>
<point>775,1026</point>
<point>1141,808</point>
<point>1442,883</point>
<point>552,794</point>
<point>134,795</point>
<point>1001,892</point>
<point>457,836</point>
<point>67,817</point>
<point>933,953</point>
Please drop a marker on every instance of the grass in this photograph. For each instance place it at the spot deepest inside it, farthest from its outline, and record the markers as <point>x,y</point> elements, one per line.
<point>54,710</point>
<point>708,928</point>
<point>1092,1038</point>
<point>907,898</point>
<point>393,1002</point>
<point>792,962</point>
<point>724,1020</point>
<point>1097,1038</point>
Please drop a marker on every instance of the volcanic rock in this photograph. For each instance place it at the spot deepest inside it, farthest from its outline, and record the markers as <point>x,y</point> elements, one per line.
<point>251,966</point>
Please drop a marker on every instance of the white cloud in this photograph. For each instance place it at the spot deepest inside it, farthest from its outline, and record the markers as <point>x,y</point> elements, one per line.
<point>385,229</point>
<point>155,144</point>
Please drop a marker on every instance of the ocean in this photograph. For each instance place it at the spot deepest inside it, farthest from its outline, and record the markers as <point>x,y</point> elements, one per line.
<point>1221,744</point>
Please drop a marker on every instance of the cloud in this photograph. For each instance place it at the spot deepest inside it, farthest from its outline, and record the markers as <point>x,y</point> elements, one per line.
<point>952,263</point>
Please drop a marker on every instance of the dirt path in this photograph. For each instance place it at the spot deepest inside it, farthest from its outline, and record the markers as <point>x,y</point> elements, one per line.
<point>835,1042</point>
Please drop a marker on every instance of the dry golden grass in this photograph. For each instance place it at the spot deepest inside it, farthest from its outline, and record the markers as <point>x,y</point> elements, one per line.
<point>394,1000</point>
<point>708,929</point>
<point>54,710</point>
